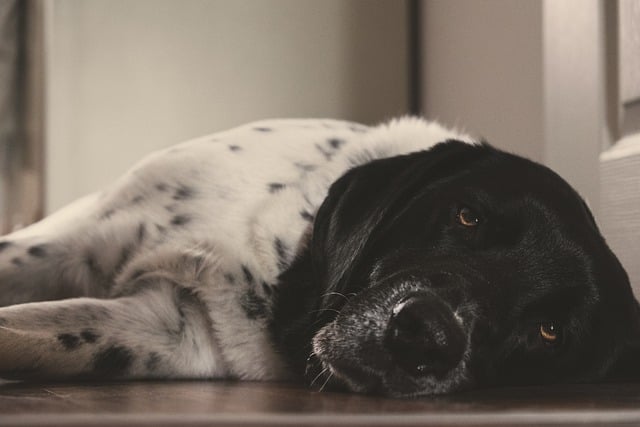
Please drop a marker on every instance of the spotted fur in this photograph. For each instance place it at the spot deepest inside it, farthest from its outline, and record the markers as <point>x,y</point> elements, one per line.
<point>171,271</point>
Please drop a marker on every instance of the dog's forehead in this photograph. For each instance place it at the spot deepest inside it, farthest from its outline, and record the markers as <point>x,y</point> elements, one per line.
<point>517,173</point>
<point>507,179</point>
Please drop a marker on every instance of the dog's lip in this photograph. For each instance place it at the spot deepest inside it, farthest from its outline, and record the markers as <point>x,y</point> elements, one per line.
<point>356,377</point>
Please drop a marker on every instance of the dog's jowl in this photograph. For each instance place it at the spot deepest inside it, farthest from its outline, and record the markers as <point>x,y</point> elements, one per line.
<point>403,259</point>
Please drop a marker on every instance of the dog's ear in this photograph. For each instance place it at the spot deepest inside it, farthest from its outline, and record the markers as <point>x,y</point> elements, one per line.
<point>626,360</point>
<point>360,200</point>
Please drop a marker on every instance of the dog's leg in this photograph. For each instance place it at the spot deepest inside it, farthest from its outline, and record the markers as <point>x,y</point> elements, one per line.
<point>34,261</point>
<point>79,250</point>
<point>161,331</point>
<point>83,261</point>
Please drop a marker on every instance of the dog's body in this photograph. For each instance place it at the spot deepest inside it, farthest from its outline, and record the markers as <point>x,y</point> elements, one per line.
<point>205,261</point>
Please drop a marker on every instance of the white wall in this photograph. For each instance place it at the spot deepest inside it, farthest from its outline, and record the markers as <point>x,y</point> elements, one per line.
<point>126,77</point>
<point>574,92</point>
<point>526,75</point>
<point>482,70</point>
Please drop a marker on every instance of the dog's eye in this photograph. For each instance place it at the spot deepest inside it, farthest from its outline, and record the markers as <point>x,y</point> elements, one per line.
<point>549,332</point>
<point>467,217</point>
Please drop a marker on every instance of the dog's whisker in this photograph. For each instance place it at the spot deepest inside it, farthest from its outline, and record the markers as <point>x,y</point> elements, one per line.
<point>321,310</point>
<point>338,294</point>
<point>318,376</point>
<point>326,381</point>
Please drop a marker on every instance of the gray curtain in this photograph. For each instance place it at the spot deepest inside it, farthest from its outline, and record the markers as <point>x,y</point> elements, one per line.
<point>21,112</point>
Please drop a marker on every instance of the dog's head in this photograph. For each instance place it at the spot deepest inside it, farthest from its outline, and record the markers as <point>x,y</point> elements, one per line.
<point>464,266</point>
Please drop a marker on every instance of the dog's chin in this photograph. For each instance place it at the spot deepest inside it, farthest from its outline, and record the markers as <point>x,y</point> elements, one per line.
<point>356,379</point>
<point>349,374</point>
<point>340,376</point>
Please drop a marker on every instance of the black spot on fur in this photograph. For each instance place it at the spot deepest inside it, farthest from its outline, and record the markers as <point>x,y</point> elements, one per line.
<point>230,278</point>
<point>153,359</point>
<point>199,261</point>
<point>171,208</point>
<point>248,276</point>
<point>181,324</point>
<point>37,251</point>
<point>176,330</point>
<point>4,245</point>
<point>92,265</point>
<point>281,251</point>
<point>306,216</point>
<point>275,187</point>
<point>324,152</point>
<point>254,306</point>
<point>114,360</point>
<point>184,193</point>
<point>262,129</point>
<point>162,187</point>
<point>137,200</point>
<point>184,296</point>
<point>336,143</point>
<point>125,256</point>
<point>179,220</point>
<point>235,148</point>
<point>107,214</point>
<point>266,288</point>
<point>69,341</point>
<point>16,261</point>
<point>306,167</point>
<point>142,231</point>
<point>136,274</point>
<point>161,228</point>
<point>89,336</point>
<point>100,277</point>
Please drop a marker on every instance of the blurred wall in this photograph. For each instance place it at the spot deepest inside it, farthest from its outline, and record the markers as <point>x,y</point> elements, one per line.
<point>127,77</point>
<point>526,75</point>
<point>482,70</point>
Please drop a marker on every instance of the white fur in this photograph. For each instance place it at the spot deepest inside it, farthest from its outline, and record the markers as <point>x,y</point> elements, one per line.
<point>222,224</point>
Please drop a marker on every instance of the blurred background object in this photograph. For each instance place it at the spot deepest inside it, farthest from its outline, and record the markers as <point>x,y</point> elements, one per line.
<point>554,80</point>
<point>619,212</point>
<point>21,113</point>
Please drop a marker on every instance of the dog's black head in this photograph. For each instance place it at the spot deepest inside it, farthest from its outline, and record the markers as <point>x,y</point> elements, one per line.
<point>458,267</point>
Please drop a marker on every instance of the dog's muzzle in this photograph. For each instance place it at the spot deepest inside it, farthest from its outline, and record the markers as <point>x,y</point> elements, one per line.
<point>405,335</point>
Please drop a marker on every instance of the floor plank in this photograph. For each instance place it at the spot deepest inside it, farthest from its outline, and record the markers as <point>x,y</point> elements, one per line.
<point>185,403</point>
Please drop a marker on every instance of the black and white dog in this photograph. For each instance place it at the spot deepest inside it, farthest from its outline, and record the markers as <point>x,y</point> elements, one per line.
<point>403,259</point>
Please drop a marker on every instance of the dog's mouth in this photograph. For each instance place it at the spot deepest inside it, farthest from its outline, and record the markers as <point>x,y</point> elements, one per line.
<point>410,343</point>
<point>341,376</point>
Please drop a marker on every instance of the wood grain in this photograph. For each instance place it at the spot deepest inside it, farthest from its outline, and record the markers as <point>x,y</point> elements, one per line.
<point>274,404</point>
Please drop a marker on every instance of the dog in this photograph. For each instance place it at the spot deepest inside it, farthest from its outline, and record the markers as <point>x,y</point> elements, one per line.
<point>403,259</point>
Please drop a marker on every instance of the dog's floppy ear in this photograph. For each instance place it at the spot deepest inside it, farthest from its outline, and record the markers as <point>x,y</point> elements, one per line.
<point>359,201</point>
<point>626,363</point>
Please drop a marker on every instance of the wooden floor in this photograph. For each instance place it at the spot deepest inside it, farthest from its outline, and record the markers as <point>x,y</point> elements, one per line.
<point>258,404</point>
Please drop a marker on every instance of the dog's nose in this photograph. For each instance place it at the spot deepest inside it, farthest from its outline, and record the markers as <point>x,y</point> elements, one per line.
<point>423,336</point>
